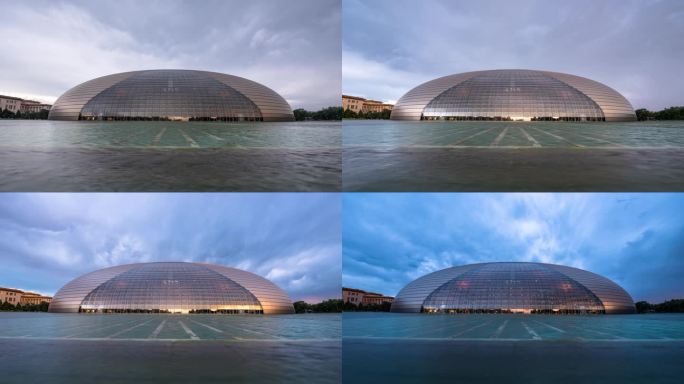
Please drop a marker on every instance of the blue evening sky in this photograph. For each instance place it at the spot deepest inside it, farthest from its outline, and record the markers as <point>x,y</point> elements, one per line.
<point>292,239</point>
<point>633,46</point>
<point>636,240</point>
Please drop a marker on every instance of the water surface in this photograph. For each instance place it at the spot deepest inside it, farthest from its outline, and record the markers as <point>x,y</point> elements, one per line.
<point>125,348</point>
<point>512,156</point>
<point>37,155</point>
<point>418,348</point>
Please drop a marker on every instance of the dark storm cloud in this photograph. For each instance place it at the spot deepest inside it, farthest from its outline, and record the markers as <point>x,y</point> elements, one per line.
<point>292,47</point>
<point>292,239</point>
<point>637,240</point>
<point>633,46</point>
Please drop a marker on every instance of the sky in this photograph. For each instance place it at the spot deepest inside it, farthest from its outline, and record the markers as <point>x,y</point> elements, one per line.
<point>636,240</point>
<point>293,48</point>
<point>633,46</point>
<point>46,240</point>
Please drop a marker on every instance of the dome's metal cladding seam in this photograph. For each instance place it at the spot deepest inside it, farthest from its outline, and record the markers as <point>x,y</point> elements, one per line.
<point>513,94</point>
<point>171,287</point>
<point>171,95</point>
<point>506,287</point>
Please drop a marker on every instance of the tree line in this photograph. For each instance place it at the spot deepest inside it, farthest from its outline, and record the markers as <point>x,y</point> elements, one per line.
<point>327,306</point>
<point>330,113</point>
<point>370,307</point>
<point>7,114</point>
<point>672,113</point>
<point>382,115</point>
<point>670,306</point>
<point>6,306</point>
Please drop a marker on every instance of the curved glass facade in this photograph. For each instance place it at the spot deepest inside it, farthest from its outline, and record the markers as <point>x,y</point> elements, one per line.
<point>505,288</point>
<point>182,95</point>
<point>513,95</point>
<point>170,95</point>
<point>171,287</point>
<point>513,287</point>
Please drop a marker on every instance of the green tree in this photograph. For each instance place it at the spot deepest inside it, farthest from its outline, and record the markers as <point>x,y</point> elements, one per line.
<point>349,114</point>
<point>300,114</point>
<point>6,114</point>
<point>643,306</point>
<point>330,113</point>
<point>301,307</point>
<point>643,114</point>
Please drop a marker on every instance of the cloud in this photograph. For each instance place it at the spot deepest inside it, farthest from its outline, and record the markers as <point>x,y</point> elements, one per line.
<point>392,239</point>
<point>372,79</point>
<point>292,239</point>
<point>57,45</point>
<point>632,46</point>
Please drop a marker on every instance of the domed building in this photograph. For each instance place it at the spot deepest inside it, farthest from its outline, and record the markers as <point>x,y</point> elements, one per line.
<point>179,95</point>
<point>513,287</point>
<point>513,95</point>
<point>171,287</point>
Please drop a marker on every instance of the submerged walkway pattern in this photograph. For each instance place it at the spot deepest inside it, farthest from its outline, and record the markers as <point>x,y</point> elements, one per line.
<point>513,134</point>
<point>155,134</point>
<point>657,327</point>
<point>322,327</point>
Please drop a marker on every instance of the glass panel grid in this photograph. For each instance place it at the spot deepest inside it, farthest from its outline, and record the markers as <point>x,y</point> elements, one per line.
<point>170,95</point>
<point>513,287</point>
<point>513,95</point>
<point>170,287</point>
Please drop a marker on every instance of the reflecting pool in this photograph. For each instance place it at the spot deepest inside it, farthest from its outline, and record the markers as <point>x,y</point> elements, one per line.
<point>118,348</point>
<point>512,156</point>
<point>40,155</point>
<point>416,348</point>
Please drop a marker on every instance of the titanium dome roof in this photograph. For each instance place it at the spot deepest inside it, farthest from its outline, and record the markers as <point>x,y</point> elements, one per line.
<point>513,94</point>
<point>170,94</point>
<point>171,287</point>
<point>513,287</point>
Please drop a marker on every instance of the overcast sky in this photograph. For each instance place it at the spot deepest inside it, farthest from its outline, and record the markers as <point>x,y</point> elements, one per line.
<point>636,240</point>
<point>633,46</point>
<point>292,47</point>
<point>293,240</point>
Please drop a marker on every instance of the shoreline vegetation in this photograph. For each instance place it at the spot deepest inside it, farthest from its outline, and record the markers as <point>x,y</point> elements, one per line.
<point>9,307</point>
<point>7,114</point>
<point>672,113</point>
<point>326,306</point>
<point>383,115</point>
<point>330,113</point>
<point>383,307</point>
<point>670,306</point>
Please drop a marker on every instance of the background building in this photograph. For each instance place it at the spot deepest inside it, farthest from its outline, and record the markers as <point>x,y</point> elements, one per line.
<point>361,105</point>
<point>513,287</point>
<point>12,104</point>
<point>17,104</point>
<point>32,106</point>
<point>17,296</point>
<point>358,296</point>
<point>178,95</point>
<point>171,287</point>
<point>513,94</point>
<point>34,298</point>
